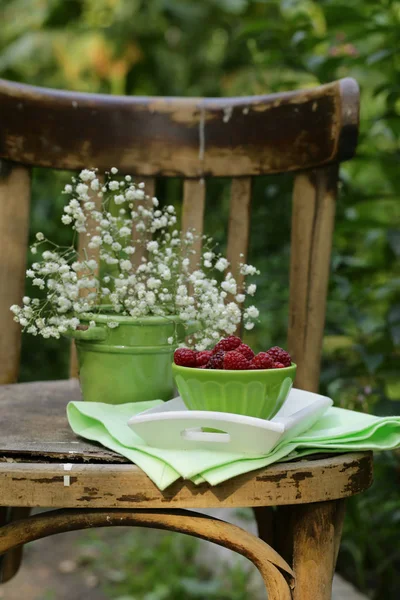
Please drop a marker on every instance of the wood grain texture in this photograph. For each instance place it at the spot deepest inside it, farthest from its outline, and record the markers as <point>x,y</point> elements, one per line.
<point>239,226</point>
<point>314,202</point>
<point>189,137</point>
<point>275,571</point>
<point>36,435</point>
<point>14,227</point>
<point>311,536</point>
<point>33,423</point>
<point>194,199</point>
<point>86,253</point>
<point>150,189</point>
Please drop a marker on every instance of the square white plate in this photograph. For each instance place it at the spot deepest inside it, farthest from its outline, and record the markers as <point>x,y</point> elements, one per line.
<point>171,425</point>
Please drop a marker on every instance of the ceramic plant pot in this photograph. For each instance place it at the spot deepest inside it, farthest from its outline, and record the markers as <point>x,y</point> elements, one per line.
<point>258,393</point>
<point>129,363</point>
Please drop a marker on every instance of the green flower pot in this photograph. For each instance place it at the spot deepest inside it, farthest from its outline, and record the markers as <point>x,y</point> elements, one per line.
<point>129,363</point>
<point>252,393</point>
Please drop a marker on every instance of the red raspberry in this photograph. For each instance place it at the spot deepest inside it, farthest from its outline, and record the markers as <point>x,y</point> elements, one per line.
<point>262,361</point>
<point>202,358</point>
<point>227,344</point>
<point>235,361</point>
<point>280,355</point>
<point>185,357</point>
<point>216,361</point>
<point>279,366</point>
<point>246,351</point>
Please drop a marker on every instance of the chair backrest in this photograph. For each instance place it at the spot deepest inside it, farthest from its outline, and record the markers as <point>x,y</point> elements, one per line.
<point>308,131</point>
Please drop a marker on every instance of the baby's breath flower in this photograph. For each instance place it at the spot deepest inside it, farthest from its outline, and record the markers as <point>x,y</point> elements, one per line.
<point>87,175</point>
<point>252,312</point>
<point>125,265</point>
<point>82,189</point>
<point>221,264</point>
<point>152,246</point>
<point>164,283</point>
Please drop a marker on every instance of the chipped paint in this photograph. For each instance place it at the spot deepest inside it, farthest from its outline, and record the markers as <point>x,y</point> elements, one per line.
<point>227,112</point>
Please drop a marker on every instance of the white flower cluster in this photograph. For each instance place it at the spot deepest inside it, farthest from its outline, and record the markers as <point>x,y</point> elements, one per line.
<point>161,282</point>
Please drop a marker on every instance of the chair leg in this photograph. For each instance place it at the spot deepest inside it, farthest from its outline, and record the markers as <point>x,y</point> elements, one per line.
<point>10,562</point>
<point>308,537</point>
<point>276,573</point>
<point>265,519</point>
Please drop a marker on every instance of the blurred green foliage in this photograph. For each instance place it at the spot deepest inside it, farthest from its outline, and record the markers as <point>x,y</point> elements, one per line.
<point>241,47</point>
<point>154,565</point>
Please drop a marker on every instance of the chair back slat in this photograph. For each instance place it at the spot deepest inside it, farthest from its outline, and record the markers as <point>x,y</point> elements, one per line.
<point>314,199</point>
<point>15,185</point>
<point>181,137</point>
<point>306,131</point>
<point>85,253</point>
<point>150,190</point>
<point>194,198</point>
<point>239,225</point>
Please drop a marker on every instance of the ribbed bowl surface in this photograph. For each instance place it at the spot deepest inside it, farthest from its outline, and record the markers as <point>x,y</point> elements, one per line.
<point>252,393</point>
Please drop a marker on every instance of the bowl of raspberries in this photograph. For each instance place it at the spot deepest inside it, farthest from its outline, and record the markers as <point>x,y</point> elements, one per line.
<point>232,378</point>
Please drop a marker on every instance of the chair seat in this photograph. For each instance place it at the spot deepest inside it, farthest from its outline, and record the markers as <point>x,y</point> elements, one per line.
<point>37,443</point>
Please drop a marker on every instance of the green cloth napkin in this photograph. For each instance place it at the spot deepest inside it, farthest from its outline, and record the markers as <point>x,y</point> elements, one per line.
<point>338,430</point>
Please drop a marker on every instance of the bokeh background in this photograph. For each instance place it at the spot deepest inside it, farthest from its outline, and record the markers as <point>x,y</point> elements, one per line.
<point>243,47</point>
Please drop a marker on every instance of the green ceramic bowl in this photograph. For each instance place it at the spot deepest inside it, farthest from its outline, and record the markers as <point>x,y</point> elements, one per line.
<point>252,393</point>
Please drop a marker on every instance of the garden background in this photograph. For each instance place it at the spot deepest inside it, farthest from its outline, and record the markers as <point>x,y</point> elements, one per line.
<point>243,47</point>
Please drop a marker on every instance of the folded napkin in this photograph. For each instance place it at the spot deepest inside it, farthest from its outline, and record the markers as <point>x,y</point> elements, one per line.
<point>338,430</point>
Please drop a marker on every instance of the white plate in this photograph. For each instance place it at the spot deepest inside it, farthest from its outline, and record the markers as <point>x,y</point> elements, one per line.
<point>171,425</point>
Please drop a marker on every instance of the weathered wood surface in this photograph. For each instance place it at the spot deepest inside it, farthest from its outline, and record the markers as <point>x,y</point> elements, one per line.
<point>14,227</point>
<point>314,203</point>
<point>308,537</point>
<point>36,440</point>
<point>193,206</point>
<point>239,226</point>
<point>86,253</point>
<point>33,423</point>
<point>187,137</point>
<point>111,485</point>
<point>150,190</point>
<point>276,573</point>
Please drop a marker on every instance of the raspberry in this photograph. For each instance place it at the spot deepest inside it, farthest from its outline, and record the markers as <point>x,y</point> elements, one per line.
<point>235,361</point>
<point>202,358</point>
<point>279,366</point>
<point>227,344</point>
<point>246,351</point>
<point>216,361</point>
<point>185,357</point>
<point>262,361</point>
<point>280,355</point>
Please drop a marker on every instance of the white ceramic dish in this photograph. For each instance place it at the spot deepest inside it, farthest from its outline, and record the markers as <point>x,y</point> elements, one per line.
<point>172,426</point>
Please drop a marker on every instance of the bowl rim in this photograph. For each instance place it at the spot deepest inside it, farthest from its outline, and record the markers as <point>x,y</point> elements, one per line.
<point>196,369</point>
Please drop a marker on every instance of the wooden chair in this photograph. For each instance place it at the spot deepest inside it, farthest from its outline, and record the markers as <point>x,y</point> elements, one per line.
<point>307,132</point>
